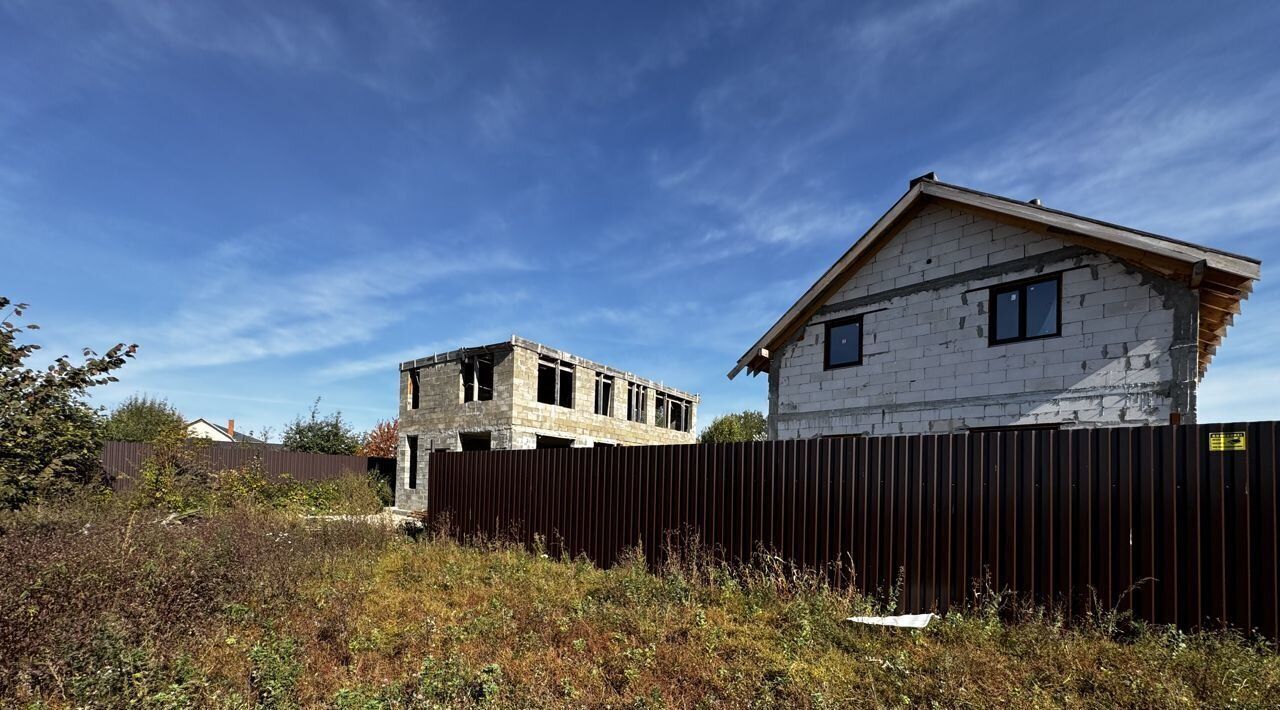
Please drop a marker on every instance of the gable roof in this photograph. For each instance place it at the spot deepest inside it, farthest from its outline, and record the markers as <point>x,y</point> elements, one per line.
<point>1222,278</point>
<point>240,438</point>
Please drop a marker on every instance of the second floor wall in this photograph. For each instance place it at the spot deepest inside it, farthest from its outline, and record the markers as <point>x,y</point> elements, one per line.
<point>1080,338</point>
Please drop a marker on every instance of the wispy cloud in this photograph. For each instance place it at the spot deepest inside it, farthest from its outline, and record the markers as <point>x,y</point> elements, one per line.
<point>1198,167</point>
<point>382,47</point>
<point>242,314</point>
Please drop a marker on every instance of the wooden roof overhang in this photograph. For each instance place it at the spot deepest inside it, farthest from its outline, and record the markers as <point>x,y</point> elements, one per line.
<point>1222,280</point>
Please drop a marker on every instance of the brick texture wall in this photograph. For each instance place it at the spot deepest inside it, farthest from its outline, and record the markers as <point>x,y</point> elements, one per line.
<point>1125,355</point>
<point>514,418</point>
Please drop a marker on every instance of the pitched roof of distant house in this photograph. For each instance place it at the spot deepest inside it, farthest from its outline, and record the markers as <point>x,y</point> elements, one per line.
<point>237,437</point>
<point>1222,278</point>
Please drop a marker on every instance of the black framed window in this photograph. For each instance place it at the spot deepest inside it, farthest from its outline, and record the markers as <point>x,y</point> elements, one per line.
<point>843,343</point>
<point>1026,310</point>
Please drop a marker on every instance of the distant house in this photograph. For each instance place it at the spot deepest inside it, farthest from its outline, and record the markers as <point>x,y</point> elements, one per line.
<point>959,310</point>
<point>519,394</point>
<point>205,429</point>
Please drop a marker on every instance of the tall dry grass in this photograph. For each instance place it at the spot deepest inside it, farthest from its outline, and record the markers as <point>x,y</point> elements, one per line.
<point>104,605</point>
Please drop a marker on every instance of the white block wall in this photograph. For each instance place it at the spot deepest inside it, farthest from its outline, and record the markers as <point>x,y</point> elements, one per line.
<point>927,365</point>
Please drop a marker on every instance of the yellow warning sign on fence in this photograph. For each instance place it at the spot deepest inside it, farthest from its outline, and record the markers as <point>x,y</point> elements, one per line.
<point>1226,441</point>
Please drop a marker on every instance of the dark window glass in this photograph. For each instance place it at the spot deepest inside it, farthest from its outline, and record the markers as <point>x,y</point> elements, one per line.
<point>1042,309</point>
<point>1007,307</point>
<point>1026,311</point>
<point>844,343</point>
<point>414,381</point>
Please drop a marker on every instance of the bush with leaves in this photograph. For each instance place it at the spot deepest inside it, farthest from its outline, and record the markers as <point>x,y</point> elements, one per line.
<point>51,439</point>
<point>749,425</point>
<point>382,439</point>
<point>321,435</point>
<point>143,419</point>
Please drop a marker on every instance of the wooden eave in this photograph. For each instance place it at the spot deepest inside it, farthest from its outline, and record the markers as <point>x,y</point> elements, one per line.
<point>1222,280</point>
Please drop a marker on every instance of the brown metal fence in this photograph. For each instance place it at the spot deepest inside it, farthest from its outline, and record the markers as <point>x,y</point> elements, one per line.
<point>121,461</point>
<point>1148,519</point>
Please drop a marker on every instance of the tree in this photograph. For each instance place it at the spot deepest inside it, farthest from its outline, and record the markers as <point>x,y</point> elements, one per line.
<point>143,419</point>
<point>50,440</point>
<point>321,435</point>
<point>382,440</point>
<point>742,426</point>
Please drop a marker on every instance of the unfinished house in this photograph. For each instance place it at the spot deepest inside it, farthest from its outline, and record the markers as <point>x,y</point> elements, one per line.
<point>961,310</point>
<point>523,395</point>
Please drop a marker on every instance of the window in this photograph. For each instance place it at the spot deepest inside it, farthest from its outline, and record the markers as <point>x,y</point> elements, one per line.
<point>476,441</point>
<point>604,394</point>
<point>1025,311</point>
<point>671,412</point>
<point>636,402</point>
<point>844,343</point>
<point>555,382</point>
<point>477,378</point>
<point>412,441</point>
<point>551,442</point>
<point>412,394</point>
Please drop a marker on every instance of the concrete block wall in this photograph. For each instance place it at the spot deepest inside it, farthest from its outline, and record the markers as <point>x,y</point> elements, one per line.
<point>531,417</point>
<point>514,417</point>
<point>927,365</point>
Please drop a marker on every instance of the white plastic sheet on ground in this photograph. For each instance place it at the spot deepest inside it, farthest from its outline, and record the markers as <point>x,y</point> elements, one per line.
<point>906,621</point>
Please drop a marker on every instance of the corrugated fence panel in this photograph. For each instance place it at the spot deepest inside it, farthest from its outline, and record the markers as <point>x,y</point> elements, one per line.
<point>121,462</point>
<point>1141,519</point>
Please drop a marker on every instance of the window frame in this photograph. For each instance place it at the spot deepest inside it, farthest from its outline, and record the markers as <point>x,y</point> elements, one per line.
<point>826,340</point>
<point>411,441</point>
<point>414,388</point>
<point>474,391</point>
<point>1021,287</point>
<point>604,381</point>
<point>637,402</point>
<point>563,398</point>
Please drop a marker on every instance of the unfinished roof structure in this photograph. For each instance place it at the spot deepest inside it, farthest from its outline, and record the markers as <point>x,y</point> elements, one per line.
<point>1221,279</point>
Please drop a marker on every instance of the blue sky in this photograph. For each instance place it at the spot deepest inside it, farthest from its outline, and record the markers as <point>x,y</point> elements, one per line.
<point>279,201</point>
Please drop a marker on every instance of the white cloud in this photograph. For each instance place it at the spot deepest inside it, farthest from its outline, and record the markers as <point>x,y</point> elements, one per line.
<point>1199,167</point>
<point>242,313</point>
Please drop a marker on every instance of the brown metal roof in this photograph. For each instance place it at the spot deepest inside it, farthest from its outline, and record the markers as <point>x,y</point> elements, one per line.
<point>1223,279</point>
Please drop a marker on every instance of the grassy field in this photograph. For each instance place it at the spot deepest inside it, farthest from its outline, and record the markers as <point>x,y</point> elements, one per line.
<point>105,604</point>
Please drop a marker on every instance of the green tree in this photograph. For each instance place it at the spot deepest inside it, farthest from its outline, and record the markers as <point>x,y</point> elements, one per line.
<point>321,435</point>
<point>741,426</point>
<point>143,419</point>
<point>50,440</point>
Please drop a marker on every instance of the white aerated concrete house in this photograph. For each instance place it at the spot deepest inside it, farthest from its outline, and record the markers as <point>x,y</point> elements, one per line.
<point>961,310</point>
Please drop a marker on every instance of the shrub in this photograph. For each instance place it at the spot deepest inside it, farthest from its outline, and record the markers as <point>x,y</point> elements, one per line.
<point>321,435</point>
<point>51,439</point>
<point>743,426</point>
<point>143,419</point>
<point>382,440</point>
